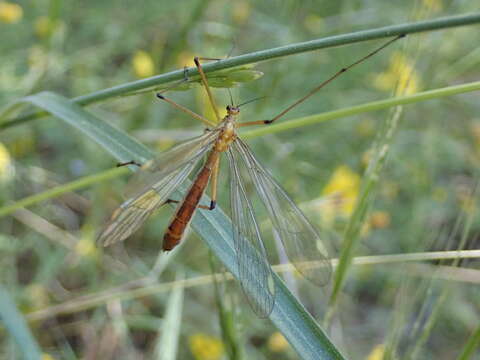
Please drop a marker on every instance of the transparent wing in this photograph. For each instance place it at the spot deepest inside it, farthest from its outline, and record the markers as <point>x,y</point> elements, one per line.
<point>162,177</point>
<point>254,271</point>
<point>167,162</point>
<point>305,247</point>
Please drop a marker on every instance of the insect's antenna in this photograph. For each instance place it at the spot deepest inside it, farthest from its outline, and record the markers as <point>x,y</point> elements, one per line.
<point>231,98</point>
<point>251,100</point>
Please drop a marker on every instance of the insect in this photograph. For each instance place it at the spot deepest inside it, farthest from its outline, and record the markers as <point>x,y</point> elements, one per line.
<point>158,179</point>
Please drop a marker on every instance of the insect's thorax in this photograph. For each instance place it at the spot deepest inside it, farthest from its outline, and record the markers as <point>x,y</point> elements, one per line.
<point>227,133</point>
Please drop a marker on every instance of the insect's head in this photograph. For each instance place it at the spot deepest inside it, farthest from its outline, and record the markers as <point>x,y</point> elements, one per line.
<point>233,110</point>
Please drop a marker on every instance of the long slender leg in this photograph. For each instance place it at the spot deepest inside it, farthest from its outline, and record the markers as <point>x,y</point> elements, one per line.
<point>172,86</point>
<point>207,88</point>
<point>177,83</point>
<point>321,85</point>
<point>208,58</point>
<point>214,183</point>
<point>187,111</point>
<point>131,162</point>
<point>171,201</point>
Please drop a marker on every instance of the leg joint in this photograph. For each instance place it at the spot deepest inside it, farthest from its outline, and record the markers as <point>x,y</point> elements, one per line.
<point>131,162</point>
<point>213,204</point>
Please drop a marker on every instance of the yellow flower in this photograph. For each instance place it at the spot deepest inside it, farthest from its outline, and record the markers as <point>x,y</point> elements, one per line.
<point>380,219</point>
<point>44,27</point>
<point>365,127</point>
<point>10,13</point>
<point>6,165</point>
<point>143,65</point>
<point>277,342</point>
<point>240,12</point>
<point>377,353</point>
<point>433,5</point>
<point>343,186</point>
<point>46,356</point>
<point>313,23</point>
<point>205,347</point>
<point>85,247</point>
<point>37,295</point>
<point>400,74</point>
<point>475,130</point>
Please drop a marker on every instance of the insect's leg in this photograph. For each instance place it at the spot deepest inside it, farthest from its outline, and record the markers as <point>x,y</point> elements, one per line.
<point>207,88</point>
<point>213,184</point>
<point>131,162</point>
<point>321,85</point>
<point>187,111</point>
<point>177,83</point>
<point>171,201</point>
<point>208,58</point>
<point>213,187</point>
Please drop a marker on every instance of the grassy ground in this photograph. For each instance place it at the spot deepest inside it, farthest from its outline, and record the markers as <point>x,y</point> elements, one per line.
<point>422,197</point>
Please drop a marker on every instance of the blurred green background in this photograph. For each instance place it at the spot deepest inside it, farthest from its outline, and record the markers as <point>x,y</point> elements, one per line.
<point>47,253</point>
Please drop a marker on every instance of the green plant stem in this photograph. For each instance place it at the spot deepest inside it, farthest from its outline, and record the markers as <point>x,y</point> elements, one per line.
<point>359,109</point>
<point>59,190</point>
<point>473,343</point>
<point>297,48</point>
<point>127,292</point>
<point>261,131</point>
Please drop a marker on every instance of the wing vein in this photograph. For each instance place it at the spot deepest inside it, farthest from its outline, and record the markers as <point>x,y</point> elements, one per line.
<point>305,248</point>
<point>255,273</point>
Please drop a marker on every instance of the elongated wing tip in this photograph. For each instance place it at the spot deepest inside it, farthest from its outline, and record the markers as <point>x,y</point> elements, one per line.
<point>129,217</point>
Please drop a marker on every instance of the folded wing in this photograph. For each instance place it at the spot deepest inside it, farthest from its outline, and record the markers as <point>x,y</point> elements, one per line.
<point>153,185</point>
<point>306,248</point>
<point>254,271</point>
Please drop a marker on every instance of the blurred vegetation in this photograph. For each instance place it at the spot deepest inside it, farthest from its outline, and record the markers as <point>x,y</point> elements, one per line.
<point>424,199</point>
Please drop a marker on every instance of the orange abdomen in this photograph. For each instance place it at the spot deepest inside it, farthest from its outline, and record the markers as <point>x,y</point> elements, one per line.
<point>190,203</point>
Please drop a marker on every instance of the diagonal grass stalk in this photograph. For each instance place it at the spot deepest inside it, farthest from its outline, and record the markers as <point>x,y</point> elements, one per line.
<point>146,288</point>
<point>258,56</point>
<point>275,128</point>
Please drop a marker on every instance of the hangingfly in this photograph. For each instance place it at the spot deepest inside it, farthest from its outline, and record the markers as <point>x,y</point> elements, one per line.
<point>152,186</point>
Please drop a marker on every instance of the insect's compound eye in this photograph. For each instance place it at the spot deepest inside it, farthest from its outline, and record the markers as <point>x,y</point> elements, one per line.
<point>229,108</point>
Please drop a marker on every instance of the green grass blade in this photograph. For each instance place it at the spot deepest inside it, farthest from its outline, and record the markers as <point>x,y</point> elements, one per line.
<point>261,131</point>
<point>369,184</point>
<point>258,56</point>
<point>227,314</point>
<point>296,324</point>
<point>14,322</point>
<point>85,302</point>
<point>62,189</point>
<point>473,344</point>
<point>167,343</point>
<point>363,108</point>
<point>112,139</point>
